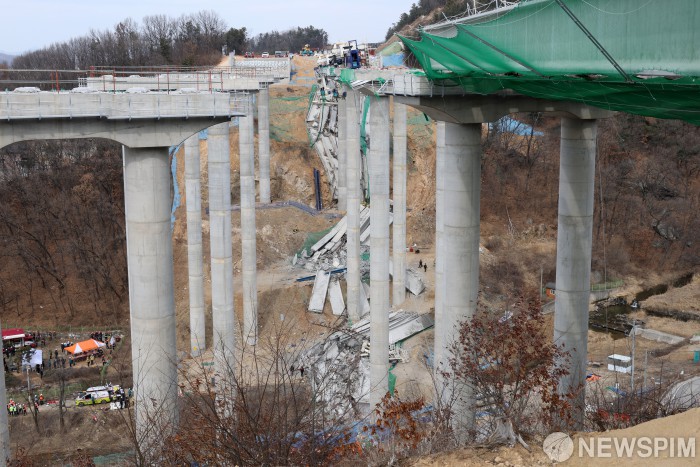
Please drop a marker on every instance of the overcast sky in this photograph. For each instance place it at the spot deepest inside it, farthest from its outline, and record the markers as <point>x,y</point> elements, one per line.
<point>32,24</point>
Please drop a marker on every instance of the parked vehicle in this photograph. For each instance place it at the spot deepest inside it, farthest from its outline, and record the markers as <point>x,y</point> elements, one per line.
<point>265,55</point>
<point>249,55</point>
<point>92,398</point>
<point>97,395</point>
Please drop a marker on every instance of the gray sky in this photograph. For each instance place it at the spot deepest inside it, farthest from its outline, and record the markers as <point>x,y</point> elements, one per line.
<point>32,24</point>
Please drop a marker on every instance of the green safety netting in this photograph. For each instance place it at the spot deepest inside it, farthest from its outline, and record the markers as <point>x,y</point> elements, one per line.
<point>312,238</point>
<point>637,56</point>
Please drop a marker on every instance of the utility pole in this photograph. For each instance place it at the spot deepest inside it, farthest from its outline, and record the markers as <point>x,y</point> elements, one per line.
<point>634,324</point>
<point>646,360</point>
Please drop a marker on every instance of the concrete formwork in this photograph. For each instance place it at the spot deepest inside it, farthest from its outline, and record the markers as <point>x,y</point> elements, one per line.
<point>249,282</point>
<point>223,318</point>
<point>264,144</point>
<point>151,297</point>
<point>399,195</point>
<point>379,249</point>
<point>574,249</point>
<point>195,264</point>
<point>353,206</point>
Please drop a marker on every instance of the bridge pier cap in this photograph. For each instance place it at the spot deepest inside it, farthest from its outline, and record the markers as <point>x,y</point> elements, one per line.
<point>134,120</point>
<point>476,108</point>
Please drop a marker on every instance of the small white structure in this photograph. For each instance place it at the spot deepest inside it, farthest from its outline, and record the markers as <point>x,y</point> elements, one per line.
<point>620,363</point>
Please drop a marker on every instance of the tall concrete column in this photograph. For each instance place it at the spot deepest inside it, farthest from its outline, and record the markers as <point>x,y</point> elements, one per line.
<point>223,317</point>
<point>264,144</point>
<point>439,345</point>
<point>574,244</point>
<point>342,156</point>
<point>151,294</point>
<point>379,249</point>
<point>195,260</point>
<point>399,191</point>
<point>353,276</point>
<point>5,448</point>
<point>249,282</point>
<point>461,186</point>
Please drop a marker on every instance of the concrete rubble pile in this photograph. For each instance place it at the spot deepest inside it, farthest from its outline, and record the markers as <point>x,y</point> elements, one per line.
<point>322,126</point>
<point>340,364</point>
<point>402,325</point>
<point>329,255</point>
<point>330,251</point>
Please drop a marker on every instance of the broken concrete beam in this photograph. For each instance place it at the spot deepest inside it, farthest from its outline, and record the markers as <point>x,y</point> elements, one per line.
<point>318,295</point>
<point>336,297</point>
<point>343,224</point>
<point>414,283</point>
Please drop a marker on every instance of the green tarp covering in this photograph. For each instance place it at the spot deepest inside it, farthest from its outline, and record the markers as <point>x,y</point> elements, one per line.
<point>636,56</point>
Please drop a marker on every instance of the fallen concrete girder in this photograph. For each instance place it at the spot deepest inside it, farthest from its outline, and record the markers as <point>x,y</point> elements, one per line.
<point>402,325</point>
<point>318,295</point>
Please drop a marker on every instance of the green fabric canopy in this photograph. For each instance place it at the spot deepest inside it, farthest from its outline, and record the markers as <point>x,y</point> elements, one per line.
<point>636,56</point>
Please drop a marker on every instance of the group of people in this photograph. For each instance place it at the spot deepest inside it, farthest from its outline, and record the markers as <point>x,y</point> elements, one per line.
<point>332,95</point>
<point>15,408</point>
<point>91,360</point>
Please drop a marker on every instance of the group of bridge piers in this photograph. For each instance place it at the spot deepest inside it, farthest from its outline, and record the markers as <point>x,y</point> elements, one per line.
<point>458,186</point>
<point>147,193</point>
<point>219,168</point>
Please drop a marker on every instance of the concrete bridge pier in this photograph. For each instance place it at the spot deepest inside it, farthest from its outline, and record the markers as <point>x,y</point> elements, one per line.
<point>574,249</point>
<point>461,186</point>
<point>342,156</point>
<point>352,277</point>
<point>5,449</point>
<point>264,144</point>
<point>195,264</point>
<point>399,196</point>
<point>222,305</point>
<point>249,283</point>
<point>440,363</point>
<point>379,249</point>
<point>151,298</point>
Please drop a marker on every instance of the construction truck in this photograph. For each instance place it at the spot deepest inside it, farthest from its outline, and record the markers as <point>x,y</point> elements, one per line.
<point>352,55</point>
<point>306,51</point>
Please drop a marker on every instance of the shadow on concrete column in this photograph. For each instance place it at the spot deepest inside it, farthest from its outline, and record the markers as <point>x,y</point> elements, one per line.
<point>574,247</point>
<point>151,295</point>
<point>195,260</point>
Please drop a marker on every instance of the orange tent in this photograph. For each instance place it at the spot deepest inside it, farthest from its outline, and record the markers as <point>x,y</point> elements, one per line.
<point>84,346</point>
